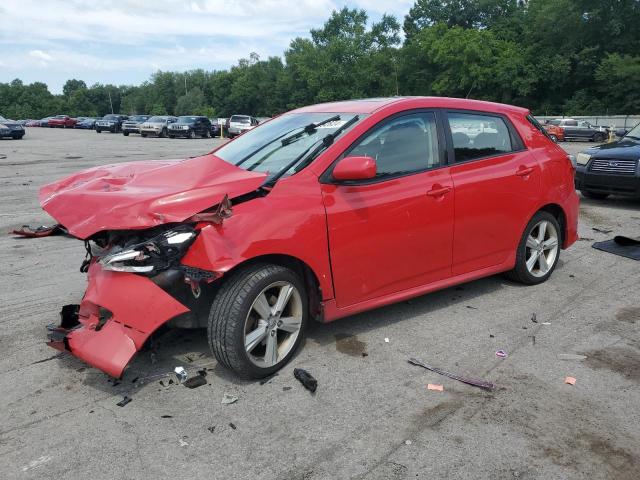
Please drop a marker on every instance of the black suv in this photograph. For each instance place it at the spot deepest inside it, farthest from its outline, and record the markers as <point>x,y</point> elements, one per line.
<point>189,126</point>
<point>111,122</point>
<point>611,169</point>
<point>132,124</point>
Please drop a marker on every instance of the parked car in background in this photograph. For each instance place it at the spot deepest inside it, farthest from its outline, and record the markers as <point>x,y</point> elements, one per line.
<point>190,126</point>
<point>580,130</point>
<point>611,168</point>
<point>215,127</point>
<point>110,123</point>
<point>87,123</point>
<point>320,213</point>
<point>44,122</point>
<point>158,126</point>
<point>62,121</point>
<point>11,128</point>
<point>32,123</point>
<point>555,132</point>
<point>238,124</point>
<point>132,124</point>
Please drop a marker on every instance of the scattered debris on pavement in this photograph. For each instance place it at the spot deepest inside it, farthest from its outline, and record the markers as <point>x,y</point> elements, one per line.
<point>570,380</point>
<point>232,425</point>
<point>124,401</point>
<point>286,389</point>
<point>571,356</point>
<point>436,387</point>
<point>166,416</point>
<point>534,318</point>
<point>622,246</point>
<point>183,443</point>
<point>212,429</point>
<point>41,231</point>
<point>408,442</point>
<point>181,374</point>
<point>470,381</point>
<point>545,323</point>
<point>601,230</point>
<point>195,381</point>
<point>306,379</point>
<point>501,354</point>
<point>386,340</point>
<point>228,399</point>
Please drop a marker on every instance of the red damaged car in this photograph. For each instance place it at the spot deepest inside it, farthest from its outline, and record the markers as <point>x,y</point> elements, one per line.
<point>318,214</point>
<point>62,121</point>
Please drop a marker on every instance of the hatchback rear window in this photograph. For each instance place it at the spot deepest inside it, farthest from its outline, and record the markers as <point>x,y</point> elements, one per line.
<point>476,136</point>
<point>238,119</point>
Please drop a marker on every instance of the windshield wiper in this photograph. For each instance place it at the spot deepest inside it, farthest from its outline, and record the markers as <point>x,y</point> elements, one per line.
<point>322,143</point>
<point>308,129</point>
<point>287,140</point>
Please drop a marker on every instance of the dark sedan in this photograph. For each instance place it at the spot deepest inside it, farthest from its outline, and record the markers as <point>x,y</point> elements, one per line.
<point>86,123</point>
<point>611,169</point>
<point>11,129</point>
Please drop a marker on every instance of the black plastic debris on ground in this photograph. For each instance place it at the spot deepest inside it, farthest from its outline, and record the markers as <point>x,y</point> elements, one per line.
<point>166,416</point>
<point>124,401</point>
<point>306,379</point>
<point>232,425</point>
<point>601,230</point>
<point>476,382</point>
<point>622,246</point>
<point>195,382</point>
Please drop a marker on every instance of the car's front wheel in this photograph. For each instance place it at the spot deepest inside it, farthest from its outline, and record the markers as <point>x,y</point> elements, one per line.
<point>257,319</point>
<point>98,130</point>
<point>599,137</point>
<point>125,133</point>
<point>538,251</point>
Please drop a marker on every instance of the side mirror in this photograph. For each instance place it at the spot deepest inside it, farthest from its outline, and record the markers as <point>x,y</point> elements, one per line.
<point>621,132</point>
<point>355,168</point>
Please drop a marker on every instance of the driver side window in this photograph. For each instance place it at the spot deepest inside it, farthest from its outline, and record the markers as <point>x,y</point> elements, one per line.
<point>403,145</point>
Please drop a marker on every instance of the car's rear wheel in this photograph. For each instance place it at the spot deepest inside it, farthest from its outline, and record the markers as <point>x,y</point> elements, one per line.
<point>538,251</point>
<point>594,195</point>
<point>163,133</point>
<point>257,320</point>
<point>206,134</point>
<point>98,130</point>
<point>190,134</point>
<point>125,133</point>
<point>143,134</point>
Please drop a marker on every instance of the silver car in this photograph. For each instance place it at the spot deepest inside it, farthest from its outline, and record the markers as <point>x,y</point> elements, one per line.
<point>157,126</point>
<point>239,124</point>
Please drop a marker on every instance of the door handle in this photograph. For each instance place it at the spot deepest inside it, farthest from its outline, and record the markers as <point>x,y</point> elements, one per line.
<point>524,171</point>
<point>438,191</point>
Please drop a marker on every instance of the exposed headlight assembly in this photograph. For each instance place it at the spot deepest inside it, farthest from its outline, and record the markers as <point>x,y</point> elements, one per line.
<point>152,256</point>
<point>185,127</point>
<point>583,158</point>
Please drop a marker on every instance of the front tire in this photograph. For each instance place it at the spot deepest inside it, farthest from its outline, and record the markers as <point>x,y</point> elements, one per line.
<point>599,137</point>
<point>98,130</point>
<point>257,319</point>
<point>538,251</point>
<point>126,134</point>
<point>191,135</point>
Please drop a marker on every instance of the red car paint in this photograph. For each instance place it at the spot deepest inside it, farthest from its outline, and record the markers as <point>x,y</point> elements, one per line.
<point>62,122</point>
<point>367,245</point>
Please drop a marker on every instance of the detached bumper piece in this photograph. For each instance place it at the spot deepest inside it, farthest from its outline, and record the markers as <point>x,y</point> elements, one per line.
<point>117,315</point>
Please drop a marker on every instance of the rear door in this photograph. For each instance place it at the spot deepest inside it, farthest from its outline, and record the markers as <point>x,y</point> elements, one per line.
<point>393,232</point>
<point>497,184</point>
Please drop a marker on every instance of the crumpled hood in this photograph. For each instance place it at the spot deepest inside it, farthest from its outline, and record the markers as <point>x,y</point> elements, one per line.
<point>143,194</point>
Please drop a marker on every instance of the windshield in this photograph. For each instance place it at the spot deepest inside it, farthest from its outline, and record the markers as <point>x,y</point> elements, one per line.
<point>61,116</point>
<point>138,118</point>
<point>110,117</point>
<point>187,119</point>
<point>157,119</point>
<point>239,119</point>
<point>634,133</point>
<point>263,149</point>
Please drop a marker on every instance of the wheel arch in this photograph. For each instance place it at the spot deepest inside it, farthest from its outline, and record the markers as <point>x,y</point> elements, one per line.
<point>559,214</point>
<point>306,273</point>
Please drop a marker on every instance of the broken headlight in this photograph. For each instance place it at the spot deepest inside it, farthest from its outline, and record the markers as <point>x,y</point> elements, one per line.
<point>151,256</point>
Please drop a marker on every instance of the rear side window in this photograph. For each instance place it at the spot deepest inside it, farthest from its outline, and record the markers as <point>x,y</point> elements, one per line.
<point>403,145</point>
<point>476,136</point>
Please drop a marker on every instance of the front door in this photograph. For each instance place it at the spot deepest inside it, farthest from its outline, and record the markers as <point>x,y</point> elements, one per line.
<point>394,232</point>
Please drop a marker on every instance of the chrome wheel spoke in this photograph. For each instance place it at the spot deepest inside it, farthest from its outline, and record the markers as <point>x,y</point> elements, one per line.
<point>531,262</point>
<point>283,298</point>
<point>550,243</point>
<point>262,307</point>
<point>532,242</point>
<point>543,264</point>
<point>271,352</point>
<point>542,231</point>
<point>254,338</point>
<point>290,324</point>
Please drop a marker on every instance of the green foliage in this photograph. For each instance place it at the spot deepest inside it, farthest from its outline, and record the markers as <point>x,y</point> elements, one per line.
<point>553,56</point>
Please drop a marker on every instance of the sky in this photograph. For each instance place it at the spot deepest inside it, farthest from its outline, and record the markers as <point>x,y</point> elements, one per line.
<point>124,41</point>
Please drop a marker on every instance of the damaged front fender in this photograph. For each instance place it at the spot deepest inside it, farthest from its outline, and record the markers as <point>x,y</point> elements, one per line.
<point>117,315</point>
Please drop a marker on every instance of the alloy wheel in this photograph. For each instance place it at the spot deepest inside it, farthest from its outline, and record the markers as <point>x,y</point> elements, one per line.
<point>541,248</point>
<point>273,324</point>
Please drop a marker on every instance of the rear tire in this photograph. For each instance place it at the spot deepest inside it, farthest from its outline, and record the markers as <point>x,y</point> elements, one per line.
<point>594,195</point>
<point>143,134</point>
<point>126,134</point>
<point>98,130</point>
<point>538,251</point>
<point>257,319</point>
<point>163,133</point>
<point>599,137</point>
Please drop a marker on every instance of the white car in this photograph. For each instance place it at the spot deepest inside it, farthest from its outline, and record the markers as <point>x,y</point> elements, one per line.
<point>239,124</point>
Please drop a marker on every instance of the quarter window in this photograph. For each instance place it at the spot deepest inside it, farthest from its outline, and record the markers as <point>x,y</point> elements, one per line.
<point>403,145</point>
<point>476,136</point>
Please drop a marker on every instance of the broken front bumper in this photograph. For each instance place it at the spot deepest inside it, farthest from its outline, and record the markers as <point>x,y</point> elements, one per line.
<point>117,315</point>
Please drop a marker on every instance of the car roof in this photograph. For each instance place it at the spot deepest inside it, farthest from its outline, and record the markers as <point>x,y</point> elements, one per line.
<point>371,105</point>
